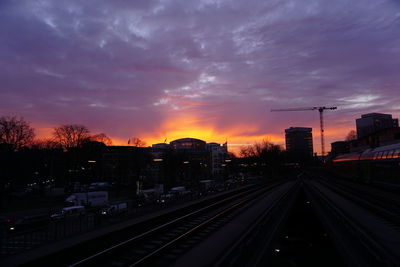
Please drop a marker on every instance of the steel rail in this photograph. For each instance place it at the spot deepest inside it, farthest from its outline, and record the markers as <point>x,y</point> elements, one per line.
<point>268,217</point>
<point>124,243</point>
<point>350,230</point>
<point>192,230</point>
<point>369,200</point>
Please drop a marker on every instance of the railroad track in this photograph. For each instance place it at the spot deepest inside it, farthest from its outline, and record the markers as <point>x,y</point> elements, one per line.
<point>65,252</point>
<point>162,245</point>
<point>254,246</point>
<point>384,204</point>
<point>361,233</point>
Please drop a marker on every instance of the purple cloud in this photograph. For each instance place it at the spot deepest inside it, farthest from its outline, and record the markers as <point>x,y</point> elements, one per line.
<point>125,68</point>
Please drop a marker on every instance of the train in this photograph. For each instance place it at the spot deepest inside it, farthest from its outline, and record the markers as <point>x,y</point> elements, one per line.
<point>373,164</point>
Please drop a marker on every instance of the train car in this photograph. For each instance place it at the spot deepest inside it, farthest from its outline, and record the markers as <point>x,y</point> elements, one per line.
<point>380,163</point>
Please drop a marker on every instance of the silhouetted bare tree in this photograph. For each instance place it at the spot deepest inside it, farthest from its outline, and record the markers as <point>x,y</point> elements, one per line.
<point>264,157</point>
<point>137,142</point>
<point>247,151</point>
<point>71,135</point>
<point>258,149</point>
<point>101,137</point>
<point>15,132</point>
<point>352,135</point>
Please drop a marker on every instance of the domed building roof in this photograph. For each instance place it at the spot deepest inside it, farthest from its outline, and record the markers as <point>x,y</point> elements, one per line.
<point>188,143</point>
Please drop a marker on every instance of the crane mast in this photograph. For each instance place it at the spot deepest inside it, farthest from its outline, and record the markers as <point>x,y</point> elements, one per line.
<point>321,124</point>
<point>321,120</point>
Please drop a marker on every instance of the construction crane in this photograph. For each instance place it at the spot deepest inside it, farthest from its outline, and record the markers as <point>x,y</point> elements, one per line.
<point>321,120</point>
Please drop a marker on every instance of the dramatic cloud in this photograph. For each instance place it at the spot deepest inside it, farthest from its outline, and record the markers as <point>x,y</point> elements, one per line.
<point>205,69</point>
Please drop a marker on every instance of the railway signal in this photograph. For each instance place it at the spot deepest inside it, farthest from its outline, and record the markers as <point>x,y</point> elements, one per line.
<point>321,120</point>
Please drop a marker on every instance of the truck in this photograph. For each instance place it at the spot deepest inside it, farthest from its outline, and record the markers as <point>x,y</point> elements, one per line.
<point>69,212</point>
<point>115,209</point>
<point>99,186</point>
<point>88,199</point>
<point>179,191</point>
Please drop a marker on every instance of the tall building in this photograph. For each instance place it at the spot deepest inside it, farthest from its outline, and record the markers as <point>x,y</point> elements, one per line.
<point>299,141</point>
<point>373,122</point>
<point>218,155</point>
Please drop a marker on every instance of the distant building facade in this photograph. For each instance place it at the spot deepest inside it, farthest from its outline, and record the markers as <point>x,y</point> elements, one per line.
<point>218,155</point>
<point>125,164</point>
<point>373,122</point>
<point>340,147</point>
<point>188,143</point>
<point>382,137</point>
<point>373,130</point>
<point>186,161</point>
<point>299,141</point>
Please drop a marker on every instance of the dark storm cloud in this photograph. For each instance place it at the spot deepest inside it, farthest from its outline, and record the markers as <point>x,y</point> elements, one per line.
<point>126,67</point>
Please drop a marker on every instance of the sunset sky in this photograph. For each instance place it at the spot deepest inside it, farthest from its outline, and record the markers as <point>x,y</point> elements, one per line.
<point>205,69</point>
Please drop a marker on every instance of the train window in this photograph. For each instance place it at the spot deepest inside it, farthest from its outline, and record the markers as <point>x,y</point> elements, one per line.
<point>390,154</point>
<point>397,153</point>
<point>380,155</point>
<point>376,155</point>
<point>385,154</point>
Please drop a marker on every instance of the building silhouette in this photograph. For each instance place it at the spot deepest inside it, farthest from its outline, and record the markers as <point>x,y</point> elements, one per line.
<point>187,161</point>
<point>299,142</point>
<point>188,143</point>
<point>373,130</point>
<point>373,122</point>
<point>340,147</point>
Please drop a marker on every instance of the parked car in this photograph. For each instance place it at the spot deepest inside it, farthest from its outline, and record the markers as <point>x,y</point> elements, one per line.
<point>115,209</point>
<point>5,224</point>
<point>29,223</point>
<point>164,198</point>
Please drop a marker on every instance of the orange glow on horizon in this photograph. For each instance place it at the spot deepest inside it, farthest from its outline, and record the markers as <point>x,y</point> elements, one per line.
<point>43,131</point>
<point>188,125</point>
